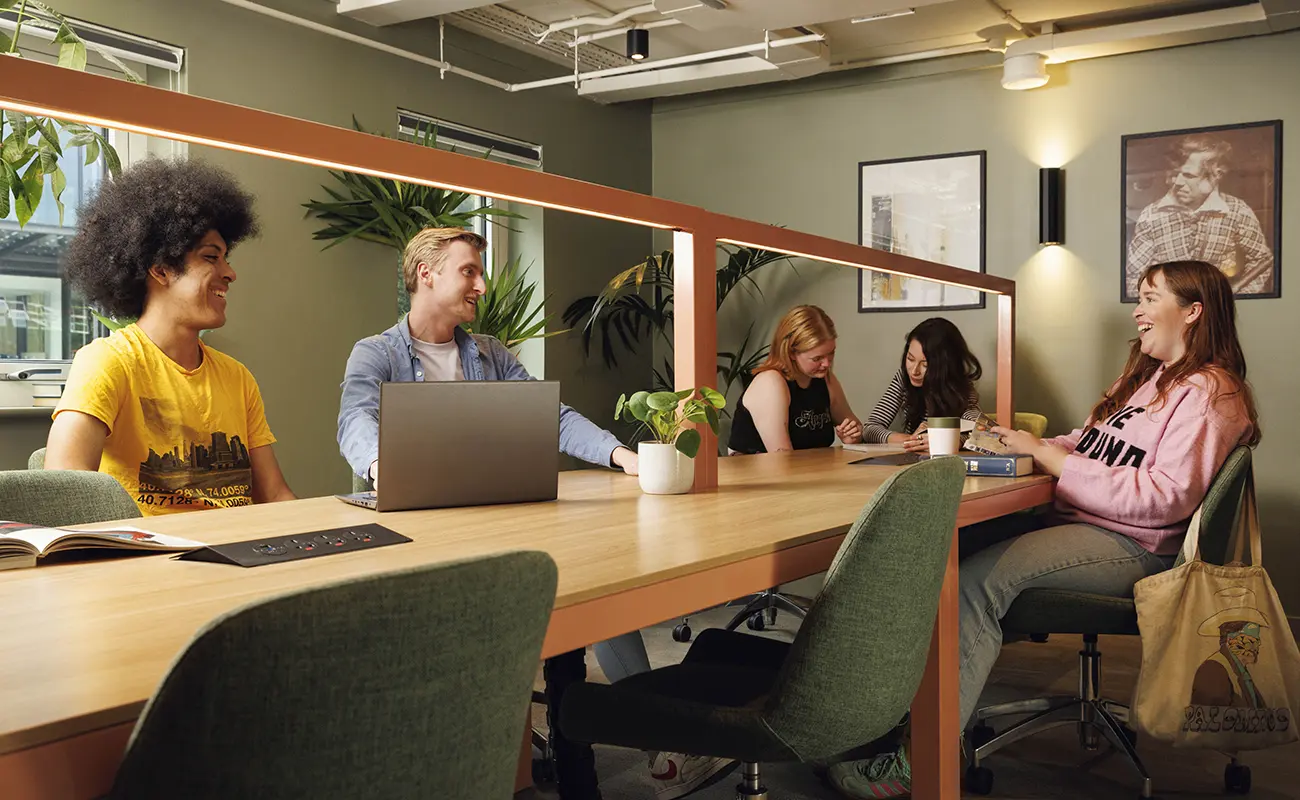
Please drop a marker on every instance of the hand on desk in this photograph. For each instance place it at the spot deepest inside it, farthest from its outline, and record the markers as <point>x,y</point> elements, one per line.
<point>1049,458</point>
<point>625,459</point>
<point>849,430</point>
<point>920,441</point>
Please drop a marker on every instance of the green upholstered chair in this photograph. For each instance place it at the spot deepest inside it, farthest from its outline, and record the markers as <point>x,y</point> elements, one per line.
<point>410,684</point>
<point>754,699</point>
<point>37,459</point>
<point>55,497</point>
<point>1046,611</point>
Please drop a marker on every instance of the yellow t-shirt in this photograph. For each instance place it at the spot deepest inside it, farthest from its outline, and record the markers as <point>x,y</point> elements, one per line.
<point>178,439</point>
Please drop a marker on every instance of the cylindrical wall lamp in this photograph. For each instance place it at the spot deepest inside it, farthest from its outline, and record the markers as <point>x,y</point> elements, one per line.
<point>1051,205</point>
<point>638,44</point>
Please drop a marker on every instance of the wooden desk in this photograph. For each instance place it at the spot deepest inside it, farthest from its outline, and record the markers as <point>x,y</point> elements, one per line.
<point>84,645</point>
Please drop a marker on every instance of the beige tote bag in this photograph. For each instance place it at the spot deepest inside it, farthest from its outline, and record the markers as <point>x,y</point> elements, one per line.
<point>1220,669</point>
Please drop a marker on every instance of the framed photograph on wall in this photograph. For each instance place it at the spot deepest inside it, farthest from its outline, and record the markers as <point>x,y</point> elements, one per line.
<point>1204,194</point>
<point>931,207</point>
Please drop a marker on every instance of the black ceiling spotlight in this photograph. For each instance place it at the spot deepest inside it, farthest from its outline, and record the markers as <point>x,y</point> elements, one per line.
<point>638,44</point>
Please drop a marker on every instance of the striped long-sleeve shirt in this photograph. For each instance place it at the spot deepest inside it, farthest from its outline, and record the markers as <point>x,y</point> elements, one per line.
<point>882,416</point>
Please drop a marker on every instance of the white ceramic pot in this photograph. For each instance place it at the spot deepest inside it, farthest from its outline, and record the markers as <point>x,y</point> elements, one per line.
<point>664,470</point>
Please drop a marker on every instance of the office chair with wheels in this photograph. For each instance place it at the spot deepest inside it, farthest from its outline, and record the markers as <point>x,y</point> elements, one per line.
<point>756,699</point>
<point>1041,611</point>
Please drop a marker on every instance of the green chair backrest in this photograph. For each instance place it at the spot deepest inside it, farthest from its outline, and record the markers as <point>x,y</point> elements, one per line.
<point>410,684</point>
<point>857,659</point>
<point>1025,421</point>
<point>1221,505</point>
<point>360,484</point>
<point>37,459</point>
<point>55,497</point>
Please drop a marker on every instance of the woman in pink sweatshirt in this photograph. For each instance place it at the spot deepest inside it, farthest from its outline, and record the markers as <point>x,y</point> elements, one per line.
<point>1129,480</point>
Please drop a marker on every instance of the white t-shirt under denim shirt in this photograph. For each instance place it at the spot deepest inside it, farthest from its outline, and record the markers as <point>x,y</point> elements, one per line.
<point>441,362</point>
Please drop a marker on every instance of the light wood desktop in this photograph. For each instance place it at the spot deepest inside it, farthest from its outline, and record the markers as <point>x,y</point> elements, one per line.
<point>84,645</point>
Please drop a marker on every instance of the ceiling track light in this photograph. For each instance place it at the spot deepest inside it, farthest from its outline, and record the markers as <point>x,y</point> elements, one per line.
<point>638,44</point>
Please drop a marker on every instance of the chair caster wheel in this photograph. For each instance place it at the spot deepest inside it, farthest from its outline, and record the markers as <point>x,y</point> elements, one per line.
<point>979,780</point>
<point>756,622</point>
<point>1236,779</point>
<point>543,772</point>
<point>682,633</point>
<point>981,735</point>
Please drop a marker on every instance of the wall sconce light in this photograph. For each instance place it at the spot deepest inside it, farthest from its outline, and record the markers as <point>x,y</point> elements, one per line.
<point>638,44</point>
<point>1051,205</point>
<point>1024,71</point>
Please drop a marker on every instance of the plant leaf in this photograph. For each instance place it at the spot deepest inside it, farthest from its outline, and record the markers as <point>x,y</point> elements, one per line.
<point>50,134</point>
<point>33,185</point>
<point>92,150</point>
<point>18,122</point>
<point>58,182</point>
<point>713,397</point>
<point>688,442</point>
<point>4,191</point>
<point>111,160</point>
<point>662,401</point>
<point>639,406</point>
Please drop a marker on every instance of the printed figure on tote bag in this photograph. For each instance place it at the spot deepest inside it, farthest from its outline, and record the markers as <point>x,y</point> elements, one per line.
<point>1224,678</point>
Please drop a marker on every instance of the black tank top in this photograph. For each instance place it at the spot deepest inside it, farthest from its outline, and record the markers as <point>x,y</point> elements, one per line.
<point>809,424</point>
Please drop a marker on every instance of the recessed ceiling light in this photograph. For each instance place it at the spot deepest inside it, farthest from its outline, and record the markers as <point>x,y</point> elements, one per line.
<point>902,12</point>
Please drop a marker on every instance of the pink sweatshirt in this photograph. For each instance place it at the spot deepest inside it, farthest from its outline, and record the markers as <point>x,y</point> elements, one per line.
<point>1143,471</point>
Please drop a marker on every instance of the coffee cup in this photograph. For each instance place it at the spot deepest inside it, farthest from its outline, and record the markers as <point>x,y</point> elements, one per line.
<point>944,434</point>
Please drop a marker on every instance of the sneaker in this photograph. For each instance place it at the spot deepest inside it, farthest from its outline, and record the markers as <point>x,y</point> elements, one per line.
<point>886,775</point>
<point>676,775</point>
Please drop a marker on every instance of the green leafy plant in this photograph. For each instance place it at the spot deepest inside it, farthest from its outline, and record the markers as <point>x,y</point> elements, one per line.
<point>31,146</point>
<point>389,212</point>
<point>637,304</point>
<point>666,415</point>
<point>507,311</point>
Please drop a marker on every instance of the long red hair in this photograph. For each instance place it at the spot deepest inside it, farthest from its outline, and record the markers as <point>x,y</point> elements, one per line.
<point>1213,349</point>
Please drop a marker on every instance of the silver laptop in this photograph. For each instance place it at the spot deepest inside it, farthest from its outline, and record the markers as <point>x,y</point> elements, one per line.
<point>465,443</point>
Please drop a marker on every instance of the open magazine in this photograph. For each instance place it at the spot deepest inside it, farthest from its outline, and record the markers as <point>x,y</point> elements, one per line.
<point>22,545</point>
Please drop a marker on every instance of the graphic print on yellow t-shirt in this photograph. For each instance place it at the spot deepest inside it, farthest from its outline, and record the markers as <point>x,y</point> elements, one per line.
<point>178,439</point>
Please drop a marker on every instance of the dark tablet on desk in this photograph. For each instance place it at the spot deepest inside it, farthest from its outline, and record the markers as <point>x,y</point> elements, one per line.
<point>891,460</point>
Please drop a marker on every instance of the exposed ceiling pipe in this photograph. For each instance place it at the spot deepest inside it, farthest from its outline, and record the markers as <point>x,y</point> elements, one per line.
<point>361,40</point>
<point>671,62</point>
<point>1006,15</point>
<point>940,52</point>
<point>603,22</point>
<point>611,33</point>
<point>511,87</point>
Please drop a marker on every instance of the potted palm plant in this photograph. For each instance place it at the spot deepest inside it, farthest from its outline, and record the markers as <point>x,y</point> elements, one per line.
<point>667,460</point>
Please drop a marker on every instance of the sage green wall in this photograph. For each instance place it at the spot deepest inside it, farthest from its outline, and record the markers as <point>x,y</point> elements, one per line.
<point>295,311</point>
<point>788,155</point>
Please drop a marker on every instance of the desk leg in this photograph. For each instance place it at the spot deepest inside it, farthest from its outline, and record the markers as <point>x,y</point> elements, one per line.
<point>575,763</point>
<point>936,729</point>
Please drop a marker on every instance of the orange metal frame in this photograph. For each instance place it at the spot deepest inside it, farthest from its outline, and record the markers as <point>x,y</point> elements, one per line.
<point>46,90</point>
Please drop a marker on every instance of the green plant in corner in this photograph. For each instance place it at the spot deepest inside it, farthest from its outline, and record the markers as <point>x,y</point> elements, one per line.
<point>31,146</point>
<point>666,414</point>
<point>507,311</point>
<point>389,212</point>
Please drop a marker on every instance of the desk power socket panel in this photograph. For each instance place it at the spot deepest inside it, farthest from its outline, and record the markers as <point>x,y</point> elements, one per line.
<point>312,544</point>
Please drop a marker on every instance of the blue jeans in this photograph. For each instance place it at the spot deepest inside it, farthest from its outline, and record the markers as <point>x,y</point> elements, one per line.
<point>1079,557</point>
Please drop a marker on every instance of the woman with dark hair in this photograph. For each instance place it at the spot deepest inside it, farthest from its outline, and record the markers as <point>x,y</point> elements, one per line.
<point>1129,481</point>
<point>936,378</point>
<point>177,423</point>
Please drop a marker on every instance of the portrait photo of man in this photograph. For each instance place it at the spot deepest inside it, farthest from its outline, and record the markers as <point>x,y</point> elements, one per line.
<point>1209,195</point>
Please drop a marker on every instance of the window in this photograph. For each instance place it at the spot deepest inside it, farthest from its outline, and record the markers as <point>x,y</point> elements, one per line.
<point>472,141</point>
<point>41,317</point>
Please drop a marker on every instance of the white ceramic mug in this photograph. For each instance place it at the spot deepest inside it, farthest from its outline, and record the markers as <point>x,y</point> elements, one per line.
<point>944,434</point>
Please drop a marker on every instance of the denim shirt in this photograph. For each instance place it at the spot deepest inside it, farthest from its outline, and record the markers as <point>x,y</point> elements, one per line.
<point>390,357</point>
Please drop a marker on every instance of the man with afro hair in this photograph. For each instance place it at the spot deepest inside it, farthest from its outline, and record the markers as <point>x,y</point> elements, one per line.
<point>180,425</point>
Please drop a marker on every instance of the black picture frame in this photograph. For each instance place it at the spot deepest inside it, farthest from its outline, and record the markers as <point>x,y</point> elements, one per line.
<point>872,239</point>
<point>1251,177</point>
